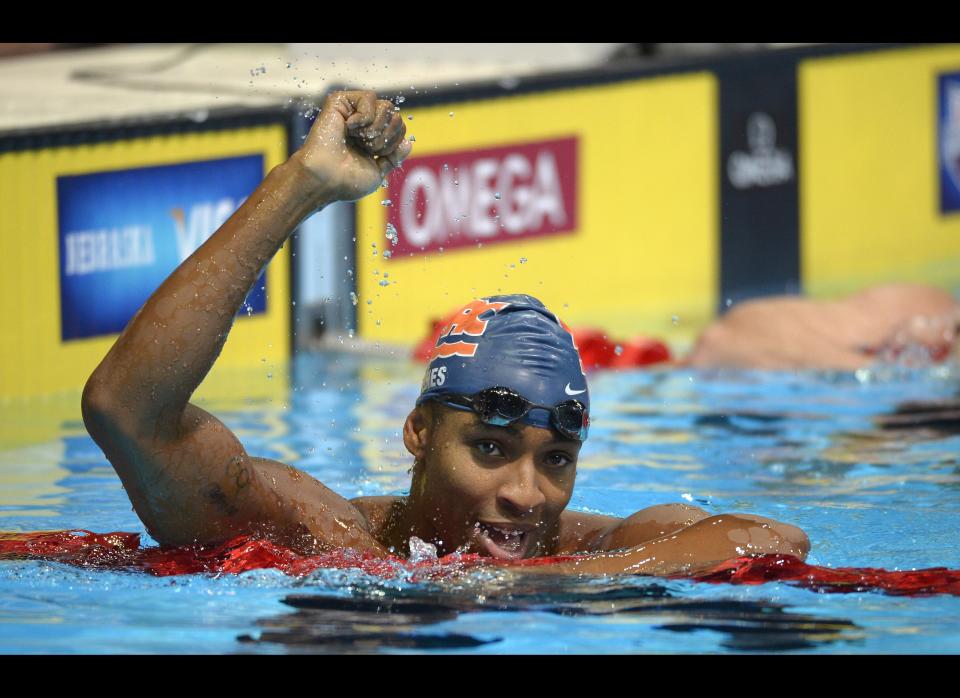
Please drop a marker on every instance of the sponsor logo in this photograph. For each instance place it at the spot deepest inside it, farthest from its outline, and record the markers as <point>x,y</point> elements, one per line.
<point>764,165</point>
<point>204,218</point>
<point>569,391</point>
<point>122,232</point>
<point>484,196</point>
<point>949,132</point>
<point>90,251</point>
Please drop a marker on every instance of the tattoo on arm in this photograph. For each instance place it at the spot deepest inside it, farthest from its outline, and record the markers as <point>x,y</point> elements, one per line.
<point>220,499</point>
<point>236,479</point>
<point>238,471</point>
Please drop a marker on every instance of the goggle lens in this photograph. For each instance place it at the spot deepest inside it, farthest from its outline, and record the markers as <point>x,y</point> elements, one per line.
<point>502,407</point>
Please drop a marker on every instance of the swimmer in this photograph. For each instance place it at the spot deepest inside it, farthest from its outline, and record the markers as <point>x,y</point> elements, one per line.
<point>495,434</point>
<point>886,323</point>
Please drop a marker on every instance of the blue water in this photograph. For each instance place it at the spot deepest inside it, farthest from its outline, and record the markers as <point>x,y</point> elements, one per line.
<point>800,448</point>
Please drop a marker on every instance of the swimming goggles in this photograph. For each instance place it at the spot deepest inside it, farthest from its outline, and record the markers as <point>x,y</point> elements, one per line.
<point>501,406</point>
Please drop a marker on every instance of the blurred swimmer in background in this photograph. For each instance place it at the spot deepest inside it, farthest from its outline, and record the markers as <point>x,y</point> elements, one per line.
<point>896,322</point>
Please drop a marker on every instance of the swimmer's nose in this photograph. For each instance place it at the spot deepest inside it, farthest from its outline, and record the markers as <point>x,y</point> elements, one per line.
<point>521,495</point>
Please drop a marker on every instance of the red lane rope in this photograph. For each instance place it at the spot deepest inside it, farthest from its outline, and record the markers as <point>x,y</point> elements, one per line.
<point>122,551</point>
<point>785,568</point>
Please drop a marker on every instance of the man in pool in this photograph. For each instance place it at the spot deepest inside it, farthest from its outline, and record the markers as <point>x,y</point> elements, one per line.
<point>493,473</point>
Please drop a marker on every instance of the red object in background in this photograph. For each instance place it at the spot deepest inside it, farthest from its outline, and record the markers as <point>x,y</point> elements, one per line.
<point>597,350</point>
<point>243,553</point>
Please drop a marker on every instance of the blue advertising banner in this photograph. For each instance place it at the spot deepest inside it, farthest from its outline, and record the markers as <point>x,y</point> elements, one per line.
<point>949,142</point>
<point>123,232</point>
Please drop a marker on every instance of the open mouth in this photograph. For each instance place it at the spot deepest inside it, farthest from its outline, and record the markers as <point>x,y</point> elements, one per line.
<point>506,542</point>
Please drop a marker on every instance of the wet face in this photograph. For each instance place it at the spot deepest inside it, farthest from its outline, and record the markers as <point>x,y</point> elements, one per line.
<point>497,491</point>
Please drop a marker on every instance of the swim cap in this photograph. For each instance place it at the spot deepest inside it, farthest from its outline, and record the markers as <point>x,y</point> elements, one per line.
<point>510,341</point>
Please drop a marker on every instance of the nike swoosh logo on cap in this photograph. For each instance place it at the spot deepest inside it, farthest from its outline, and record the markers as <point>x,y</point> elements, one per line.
<point>568,391</point>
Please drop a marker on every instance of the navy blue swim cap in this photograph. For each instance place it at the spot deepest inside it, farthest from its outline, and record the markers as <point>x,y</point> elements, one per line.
<point>509,341</point>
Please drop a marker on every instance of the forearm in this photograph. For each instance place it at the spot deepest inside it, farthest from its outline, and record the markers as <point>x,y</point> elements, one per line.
<point>172,342</point>
<point>692,549</point>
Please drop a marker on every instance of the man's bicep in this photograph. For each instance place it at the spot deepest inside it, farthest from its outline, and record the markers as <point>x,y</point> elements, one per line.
<point>189,482</point>
<point>196,483</point>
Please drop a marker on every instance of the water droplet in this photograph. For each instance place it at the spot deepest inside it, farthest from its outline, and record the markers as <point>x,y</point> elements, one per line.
<point>353,298</point>
<point>523,260</point>
<point>451,113</point>
<point>392,234</point>
<point>618,350</point>
<point>386,202</point>
<point>446,167</point>
<point>369,301</point>
<point>728,302</point>
<point>387,254</point>
<point>409,117</point>
<point>496,195</point>
<point>675,319</point>
<point>412,138</point>
<point>384,283</point>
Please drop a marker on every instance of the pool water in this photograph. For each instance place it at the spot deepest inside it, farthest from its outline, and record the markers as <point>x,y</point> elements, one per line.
<point>802,448</point>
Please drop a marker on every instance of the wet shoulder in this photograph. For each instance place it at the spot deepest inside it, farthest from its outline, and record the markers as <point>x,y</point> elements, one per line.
<point>581,532</point>
<point>376,510</point>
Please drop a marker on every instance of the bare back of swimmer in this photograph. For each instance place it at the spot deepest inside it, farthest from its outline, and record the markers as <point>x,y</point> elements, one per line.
<point>488,476</point>
<point>789,332</point>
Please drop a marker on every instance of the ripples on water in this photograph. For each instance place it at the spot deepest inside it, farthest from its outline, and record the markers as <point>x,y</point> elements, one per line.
<point>813,450</point>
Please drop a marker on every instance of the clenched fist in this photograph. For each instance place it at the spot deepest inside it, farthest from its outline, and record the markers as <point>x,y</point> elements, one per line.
<point>355,142</point>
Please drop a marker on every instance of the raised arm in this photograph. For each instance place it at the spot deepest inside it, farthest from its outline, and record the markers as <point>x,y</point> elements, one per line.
<point>188,476</point>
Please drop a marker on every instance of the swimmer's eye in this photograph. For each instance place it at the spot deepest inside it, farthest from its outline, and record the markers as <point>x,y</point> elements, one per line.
<point>559,460</point>
<point>488,448</point>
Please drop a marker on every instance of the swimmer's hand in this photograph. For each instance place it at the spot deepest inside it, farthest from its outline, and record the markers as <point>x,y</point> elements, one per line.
<point>936,335</point>
<point>355,142</point>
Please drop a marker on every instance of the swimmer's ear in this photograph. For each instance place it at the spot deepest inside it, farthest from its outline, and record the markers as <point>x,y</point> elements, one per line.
<point>416,431</point>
